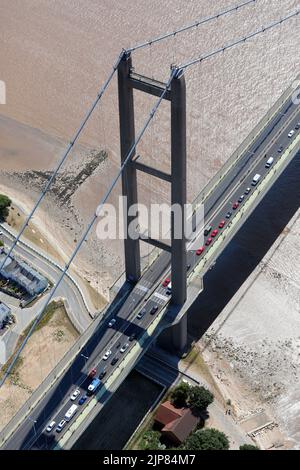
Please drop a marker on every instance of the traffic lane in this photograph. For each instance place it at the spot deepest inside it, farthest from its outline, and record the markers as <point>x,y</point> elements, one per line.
<point>257,148</point>
<point>100,347</point>
<point>261,169</point>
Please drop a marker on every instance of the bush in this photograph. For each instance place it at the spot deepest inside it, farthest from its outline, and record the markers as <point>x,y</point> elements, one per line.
<point>207,439</point>
<point>5,202</point>
<point>180,394</point>
<point>150,441</point>
<point>249,447</point>
<point>200,398</point>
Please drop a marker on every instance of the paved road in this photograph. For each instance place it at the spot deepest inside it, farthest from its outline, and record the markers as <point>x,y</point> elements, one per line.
<point>149,291</point>
<point>68,290</point>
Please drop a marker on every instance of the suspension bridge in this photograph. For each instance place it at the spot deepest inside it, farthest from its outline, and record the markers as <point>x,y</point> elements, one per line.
<point>142,308</point>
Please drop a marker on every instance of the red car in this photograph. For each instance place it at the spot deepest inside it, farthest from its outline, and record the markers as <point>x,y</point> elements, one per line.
<point>235,205</point>
<point>214,233</point>
<point>208,241</point>
<point>166,282</point>
<point>200,251</point>
<point>92,373</point>
<point>221,224</point>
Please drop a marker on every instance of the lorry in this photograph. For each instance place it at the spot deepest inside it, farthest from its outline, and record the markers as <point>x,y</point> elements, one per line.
<point>94,385</point>
<point>71,412</point>
<point>256,179</point>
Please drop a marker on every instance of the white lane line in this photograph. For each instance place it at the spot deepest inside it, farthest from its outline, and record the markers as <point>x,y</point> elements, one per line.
<point>143,288</point>
<point>160,296</point>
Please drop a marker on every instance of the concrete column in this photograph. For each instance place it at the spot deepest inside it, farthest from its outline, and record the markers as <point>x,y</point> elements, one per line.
<point>178,187</point>
<point>129,177</point>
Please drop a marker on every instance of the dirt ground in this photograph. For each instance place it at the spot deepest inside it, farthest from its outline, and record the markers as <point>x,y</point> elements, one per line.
<point>43,351</point>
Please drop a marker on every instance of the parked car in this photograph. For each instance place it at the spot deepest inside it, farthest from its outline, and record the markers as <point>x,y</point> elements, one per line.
<point>200,251</point>
<point>75,394</point>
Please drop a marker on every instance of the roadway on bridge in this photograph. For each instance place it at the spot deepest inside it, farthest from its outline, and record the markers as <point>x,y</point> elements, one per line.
<point>149,291</point>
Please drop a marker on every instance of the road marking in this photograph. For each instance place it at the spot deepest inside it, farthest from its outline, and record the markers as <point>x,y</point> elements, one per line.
<point>160,296</point>
<point>143,288</point>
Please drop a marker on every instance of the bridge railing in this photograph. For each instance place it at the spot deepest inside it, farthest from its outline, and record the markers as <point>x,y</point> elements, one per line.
<point>54,375</point>
<point>244,146</point>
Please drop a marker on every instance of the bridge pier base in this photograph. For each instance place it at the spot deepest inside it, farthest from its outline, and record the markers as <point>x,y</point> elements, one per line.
<point>175,338</point>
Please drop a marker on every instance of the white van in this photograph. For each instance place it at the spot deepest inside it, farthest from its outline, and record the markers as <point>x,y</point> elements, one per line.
<point>71,412</point>
<point>256,179</point>
<point>269,162</point>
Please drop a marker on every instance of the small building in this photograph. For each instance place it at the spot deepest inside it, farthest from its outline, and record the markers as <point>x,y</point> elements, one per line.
<point>175,423</point>
<point>22,274</point>
<point>5,314</point>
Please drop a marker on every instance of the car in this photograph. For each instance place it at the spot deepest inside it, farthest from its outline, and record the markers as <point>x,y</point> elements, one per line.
<point>166,282</point>
<point>241,199</point>
<point>124,347</point>
<point>82,400</point>
<point>291,133</point>
<point>132,337</point>
<point>92,373</point>
<point>235,206</point>
<point>188,267</point>
<point>153,309</point>
<point>169,289</point>
<point>102,373</point>
<point>112,322</point>
<point>297,126</point>
<point>248,191</point>
<point>222,224</point>
<point>208,241</point>
<point>50,426</point>
<point>280,149</point>
<point>114,361</point>
<point>141,314</point>
<point>61,424</point>
<point>207,230</point>
<point>75,394</point>
<point>228,215</point>
<point>200,251</point>
<point>214,233</point>
<point>106,355</point>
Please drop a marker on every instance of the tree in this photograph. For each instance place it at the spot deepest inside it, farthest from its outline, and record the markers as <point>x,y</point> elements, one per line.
<point>5,202</point>
<point>200,398</point>
<point>207,439</point>
<point>180,394</point>
<point>249,447</point>
<point>150,441</point>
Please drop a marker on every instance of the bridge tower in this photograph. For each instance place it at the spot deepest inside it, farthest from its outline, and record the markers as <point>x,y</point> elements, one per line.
<point>128,80</point>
